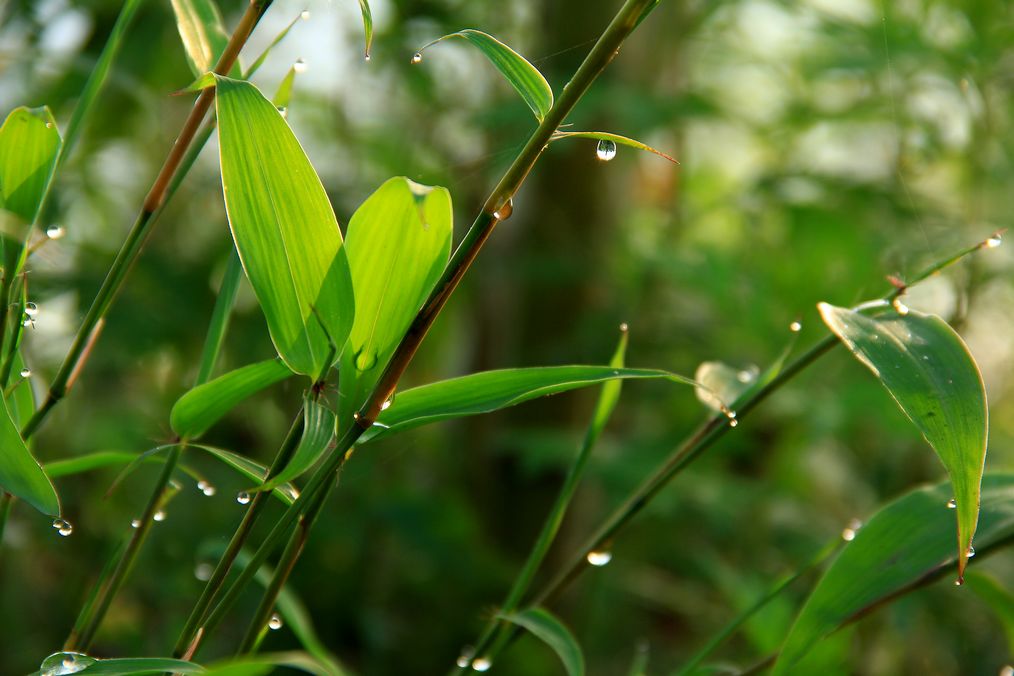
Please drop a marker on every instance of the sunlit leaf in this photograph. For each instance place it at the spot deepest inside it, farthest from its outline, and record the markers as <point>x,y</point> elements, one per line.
<point>285,230</point>
<point>522,75</point>
<point>903,543</point>
<point>615,139</point>
<point>545,626</point>
<point>202,32</point>
<point>20,473</point>
<point>364,8</point>
<point>77,663</point>
<point>92,461</point>
<point>318,430</point>
<point>932,376</point>
<point>29,144</point>
<point>203,406</point>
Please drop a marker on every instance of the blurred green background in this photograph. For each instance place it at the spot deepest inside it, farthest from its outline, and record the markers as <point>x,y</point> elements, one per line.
<point>823,145</point>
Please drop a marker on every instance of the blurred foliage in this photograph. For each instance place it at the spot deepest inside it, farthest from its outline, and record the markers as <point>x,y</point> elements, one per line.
<point>823,145</point>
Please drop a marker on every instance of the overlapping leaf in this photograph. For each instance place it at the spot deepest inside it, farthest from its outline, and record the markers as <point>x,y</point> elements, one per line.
<point>203,35</point>
<point>20,473</point>
<point>29,145</point>
<point>318,430</point>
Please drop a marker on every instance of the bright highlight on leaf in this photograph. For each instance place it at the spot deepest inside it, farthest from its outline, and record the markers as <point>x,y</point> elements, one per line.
<point>615,138</point>
<point>928,370</point>
<point>203,35</point>
<point>521,74</point>
<point>77,663</point>
<point>29,145</point>
<point>902,544</point>
<point>20,473</point>
<point>551,631</point>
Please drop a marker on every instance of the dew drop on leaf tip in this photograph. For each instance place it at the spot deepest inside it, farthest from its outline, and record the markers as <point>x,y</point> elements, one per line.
<point>26,372</point>
<point>63,527</point>
<point>970,553</point>
<point>299,66</point>
<point>606,150</point>
<point>31,309</point>
<point>795,327</point>
<point>994,241</point>
<point>275,622</point>
<point>417,57</point>
<point>599,557</point>
<point>305,15</point>
<point>54,232</point>
<point>952,504</point>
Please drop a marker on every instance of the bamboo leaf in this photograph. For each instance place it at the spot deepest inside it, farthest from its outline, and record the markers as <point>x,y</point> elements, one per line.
<point>77,663</point>
<point>259,61</point>
<point>20,473</point>
<point>398,243</point>
<point>903,543</point>
<point>318,431</point>
<point>493,390</point>
<point>204,405</point>
<point>364,8</point>
<point>605,138</point>
<point>285,230</point>
<point>254,471</point>
<point>29,145</point>
<point>932,376</point>
<point>521,74</point>
<point>92,461</point>
<point>551,631</point>
<point>203,34</point>
<point>255,665</point>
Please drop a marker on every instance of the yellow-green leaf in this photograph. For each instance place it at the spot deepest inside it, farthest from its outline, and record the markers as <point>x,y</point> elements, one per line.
<point>203,34</point>
<point>29,144</point>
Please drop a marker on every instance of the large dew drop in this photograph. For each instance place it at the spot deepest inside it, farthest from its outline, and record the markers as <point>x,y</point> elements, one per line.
<point>606,150</point>
<point>60,664</point>
<point>275,622</point>
<point>243,498</point>
<point>63,527</point>
<point>417,57</point>
<point>599,557</point>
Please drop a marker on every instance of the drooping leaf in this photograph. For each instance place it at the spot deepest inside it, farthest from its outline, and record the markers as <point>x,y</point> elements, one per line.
<point>929,371</point>
<point>318,431</point>
<point>203,406</point>
<point>364,8</point>
<point>492,390</point>
<point>615,139</point>
<point>522,75</point>
<point>203,34</point>
<point>398,243</point>
<point>903,543</point>
<point>551,631</point>
<point>29,144</point>
<point>285,230</point>
<point>77,663</point>
<point>20,473</point>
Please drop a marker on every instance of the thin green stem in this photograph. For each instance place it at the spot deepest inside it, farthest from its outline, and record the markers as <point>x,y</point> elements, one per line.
<point>220,317</point>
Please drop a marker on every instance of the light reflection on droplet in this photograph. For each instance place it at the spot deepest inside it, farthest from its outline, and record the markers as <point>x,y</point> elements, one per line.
<point>304,15</point>
<point>135,523</point>
<point>299,66</point>
<point>994,241</point>
<point>900,307</point>
<point>55,232</point>
<point>159,515</point>
<point>795,327</point>
<point>952,504</point>
<point>465,658</point>
<point>243,498</point>
<point>482,664</point>
<point>606,150</point>
<point>63,527</point>
<point>64,663</point>
<point>275,623</point>
<point>31,309</point>
<point>417,57</point>
<point>1007,670</point>
<point>26,372</point>
<point>971,552</point>
<point>203,571</point>
<point>599,557</point>
<point>206,488</point>
<point>505,210</point>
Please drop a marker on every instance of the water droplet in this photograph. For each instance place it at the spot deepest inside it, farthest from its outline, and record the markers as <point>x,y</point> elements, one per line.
<point>31,309</point>
<point>960,581</point>
<point>606,150</point>
<point>994,241</point>
<point>299,66</point>
<point>28,322</point>
<point>275,622</point>
<point>971,552</point>
<point>482,664</point>
<point>243,498</point>
<point>624,328</point>
<point>952,504</point>
<point>55,232</point>
<point>386,405</point>
<point>284,112</point>
<point>206,487</point>
<point>465,658</point>
<point>63,527</point>
<point>159,515</point>
<point>733,420</point>
<point>203,571</point>
<point>1008,670</point>
<point>367,58</point>
<point>61,664</point>
<point>135,523</point>
<point>505,210</point>
<point>848,535</point>
<point>366,359</point>
<point>305,15</point>
<point>599,557</point>
<point>26,372</point>
<point>795,327</point>
<point>417,57</point>
<point>900,307</point>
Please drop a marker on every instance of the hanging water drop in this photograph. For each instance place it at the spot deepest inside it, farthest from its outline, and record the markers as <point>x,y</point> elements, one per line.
<point>849,533</point>
<point>970,553</point>
<point>1008,670</point>
<point>284,112</point>
<point>135,523</point>
<point>275,622</point>
<point>606,150</point>
<point>203,571</point>
<point>900,307</point>
<point>63,663</point>
<point>417,57</point>
<point>55,232</point>
<point>205,487</point>
<point>599,557</point>
<point>795,327</point>
<point>994,241</point>
<point>299,66</point>
<point>386,405</point>
<point>952,504</point>
<point>733,420</point>
<point>505,210</point>
<point>367,58</point>
<point>243,498</point>
<point>305,15</point>
<point>31,309</point>
<point>26,372</point>
<point>960,581</point>
<point>482,664</point>
<point>465,658</point>
<point>159,516</point>
<point>63,527</point>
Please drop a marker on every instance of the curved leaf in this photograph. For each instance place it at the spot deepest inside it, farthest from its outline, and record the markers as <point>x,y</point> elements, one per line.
<point>522,75</point>
<point>364,8</point>
<point>615,138</point>
<point>203,406</point>
<point>903,543</point>
<point>318,430</point>
<point>285,230</point>
<point>20,473</point>
<point>255,665</point>
<point>254,471</point>
<point>928,370</point>
<point>29,144</point>
<point>545,626</point>
<point>492,390</point>
<point>77,663</point>
<point>203,35</point>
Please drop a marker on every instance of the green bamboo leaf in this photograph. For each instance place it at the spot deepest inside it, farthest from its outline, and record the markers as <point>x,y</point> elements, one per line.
<point>522,75</point>
<point>254,471</point>
<point>547,628</point>
<point>929,371</point>
<point>259,61</point>
<point>21,401</point>
<point>904,543</point>
<point>398,243</point>
<point>29,145</point>
<point>283,95</point>
<point>364,8</point>
<point>78,663</point>
<point>608,143</point>
<point>492,390</point>
<point>318,431</point>
<point>285,230</point>
<point>203,34</point>
<point>92,461</point>
<point>203,406</point>
<point>255,665</point>
<point>20,473</point>
<point>220,315</point>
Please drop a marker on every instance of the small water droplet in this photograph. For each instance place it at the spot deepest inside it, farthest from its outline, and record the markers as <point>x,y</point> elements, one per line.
<point>505,210</point>
<point>599,557</point>
<point>952,504</point>
<point>849,532</point>
<point>275,622</point>
<point>465,658</point>
<point>482,664</point>
<point>795,327</point>
<point>367,58</point>
<point>900,307</point>
<point>971,552</point>
<point>284,112</point>
<point>55,232</point>
<point>606,150</point>
<point>203,571</point>
<point>960,581</point>
<point>624,328</point>
<point>417,57</point>
<point>159,515</point>
<point>733,420</point>
<point>366,359</point>
<point>243,498</point>
<point>305,15</point>
<point>386,405</point>
<point>994,241</point>
<point>26,372</point>
<point>206,487</point>
<point>63,527</point>
<point>28,322</point>
<point>299,66</point>
<point>31,309</point>
<point>63,663</point>
<point>135,523</point>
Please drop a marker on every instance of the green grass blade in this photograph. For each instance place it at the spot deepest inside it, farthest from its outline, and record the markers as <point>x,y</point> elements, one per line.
<point>522,75</point>
<point>285,230</point>
<point>364,8</point>
<point>929,371</point>
<point>202,32</point>
<point>551,631</point>
<point>204,405</point>
<point>20,473</point>
<point>219,323</point>
<point>318,432</point>
<point>903,543</point>
<point>398,243</point>
<point>492,390</point>
<point>615,139</point>
<point>77,663</point>
<point>29,145</point>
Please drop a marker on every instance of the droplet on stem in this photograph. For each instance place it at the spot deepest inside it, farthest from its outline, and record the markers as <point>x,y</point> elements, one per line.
<point>135,523</point>
<point>900,307</point>
<point>952,504</point>
<point>849,533</point>
<point>31,309</point>
<point>275,622</point>
<point>55,232</point>
<point>63,527</point>
<point>159,515</point>
<point>505,210</point>
<point>994,241</point>
<point>465,658</point>
<point>482,664</point>
<point>970,553</point>
<point>606,150</point>
<point>417,57</point>
<point>299,66</point>
<point>26,372</point>
<point>305,15</point>
<point>599,557</point>
<point>386,405</point>
<point>205,487</point>
<point>243,498</point>
<point>63,663</point>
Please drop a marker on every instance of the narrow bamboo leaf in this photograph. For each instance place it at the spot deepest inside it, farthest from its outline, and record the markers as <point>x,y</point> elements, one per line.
<point>998,598</point>
<point>20,473</point>
<point>903,543</point>
<point>255,665</point>
<point>77,663</point>
<point>318,431</point>
<point>219,323</point>
<point>492,390</point>
<point>364,8</point>
<point>547,628</point>
<point>259,61</point>
<point>398,243</point>
<point>203,406</point>
<point>254,471</point>
<point>285,230</point>
<point>92,461</point>
<point>21,402</point>
<point>202,32</point>
<point>522,75</point>
<point>928,370</point>
<point>615,139</point>
<point>283,95</point>
<point>29,144</point>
